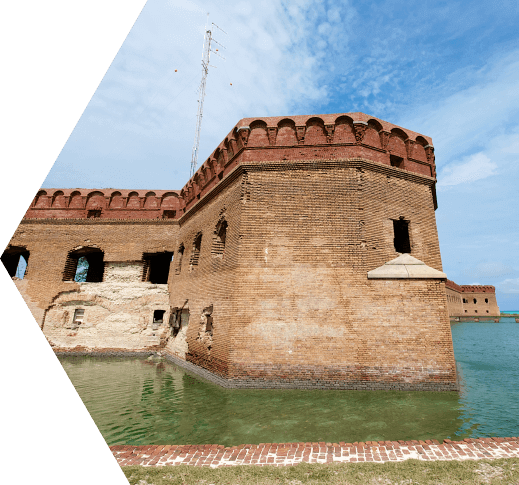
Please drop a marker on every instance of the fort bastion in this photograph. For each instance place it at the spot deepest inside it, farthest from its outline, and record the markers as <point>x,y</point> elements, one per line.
<point>302,253</point>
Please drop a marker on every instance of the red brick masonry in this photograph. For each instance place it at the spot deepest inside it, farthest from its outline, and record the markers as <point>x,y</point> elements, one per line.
<point>281,454</point>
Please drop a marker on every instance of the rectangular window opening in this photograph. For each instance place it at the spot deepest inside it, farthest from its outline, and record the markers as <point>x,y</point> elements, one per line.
<point>401,240</point>
<point>79,315</point>
<point>156,267</point>
<point>397,162</point>
<point>169,214</point>
<point>94,214</point>
<point>158,316</point>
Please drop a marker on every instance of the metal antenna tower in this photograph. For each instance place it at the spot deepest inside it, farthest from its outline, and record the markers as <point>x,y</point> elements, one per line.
<point>208,39</point>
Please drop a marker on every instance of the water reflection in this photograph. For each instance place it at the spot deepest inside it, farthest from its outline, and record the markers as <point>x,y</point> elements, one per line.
<point>144,402</point>
<point>140,402</point>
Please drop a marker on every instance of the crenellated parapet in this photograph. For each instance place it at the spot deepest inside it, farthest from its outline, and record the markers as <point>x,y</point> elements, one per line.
<point>104,204</point>
<point>478,289</point>
<point>470,288</point>
<point>329,137</point>
<point>453,286</point>
<point>252,141</point>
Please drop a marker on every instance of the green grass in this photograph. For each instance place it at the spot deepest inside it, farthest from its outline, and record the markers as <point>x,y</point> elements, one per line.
<point>409,472</point>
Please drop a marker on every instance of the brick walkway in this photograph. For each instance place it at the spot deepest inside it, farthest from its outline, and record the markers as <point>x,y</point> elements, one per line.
<point>281,454</point>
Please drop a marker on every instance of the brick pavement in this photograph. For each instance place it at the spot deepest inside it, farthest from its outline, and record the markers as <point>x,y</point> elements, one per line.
<point>281,454</point>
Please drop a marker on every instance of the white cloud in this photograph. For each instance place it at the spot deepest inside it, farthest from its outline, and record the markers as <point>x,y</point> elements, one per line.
<point>510,285</point>
<point>472,168</point>
<point>485,107</point>
<point>277,62</point>
<point>488,270</point>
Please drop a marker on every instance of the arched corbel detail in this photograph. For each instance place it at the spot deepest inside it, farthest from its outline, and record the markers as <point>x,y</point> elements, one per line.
<point>243,135</point>
<point>203,175</point>
<point>233,147</point>
<point>42,199</point>
<point>429,152</point>
<point>360,130</point>
<point>330,128</point>
<point>409,146</point>
<point>57,194</point>
<point>384,138</point>
<point>300,134</point>
<point>196,183</point>
<point>272,132</point>
<point>211,163</point>
<point>224,156</point>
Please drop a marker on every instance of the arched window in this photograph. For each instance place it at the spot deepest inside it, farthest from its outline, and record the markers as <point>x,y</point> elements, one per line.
<point>220,234</point>
<point>180,255</point>
<point>84,265</point>
<point>15,260</point>
<point>195,253</point>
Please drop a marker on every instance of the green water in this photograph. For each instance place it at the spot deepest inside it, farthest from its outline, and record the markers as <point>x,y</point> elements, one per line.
<point>139,402</point>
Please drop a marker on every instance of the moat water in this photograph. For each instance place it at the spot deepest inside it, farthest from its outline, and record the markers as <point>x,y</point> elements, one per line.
<point>139,402</point>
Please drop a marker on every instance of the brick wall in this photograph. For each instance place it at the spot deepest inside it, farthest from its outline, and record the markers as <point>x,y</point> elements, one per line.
<point>119,310</point>
<point>307,310</point>
<point>211,283</point>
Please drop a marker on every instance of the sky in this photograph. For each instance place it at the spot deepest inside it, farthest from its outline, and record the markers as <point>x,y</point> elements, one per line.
<point>449,70</point>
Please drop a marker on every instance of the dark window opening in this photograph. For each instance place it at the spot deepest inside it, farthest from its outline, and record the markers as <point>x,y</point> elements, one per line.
<point>195,253</point>
<point>158,316</point>
<point>488,311</point>
<point>401,240</point>
<point>465,300</point>
<point>180,255</point>
<point>156,267</point>
<point>94,214</point>
<point>84,265</point>
<point>475,301</point>
<point>16,260</point>
<point>209,324</point>
<point>396,161</point>
<point>219,238</point>
<point>475,311</point>
<point>220,176</point>
<point>465,311</point>
<point>486,300</point>
<point>168,214</point>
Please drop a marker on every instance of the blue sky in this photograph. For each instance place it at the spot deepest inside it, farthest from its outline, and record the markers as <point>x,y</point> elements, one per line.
<point>449,70</point>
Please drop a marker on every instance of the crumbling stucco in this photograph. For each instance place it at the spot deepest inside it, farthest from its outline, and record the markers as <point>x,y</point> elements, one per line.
<point>118,312</point>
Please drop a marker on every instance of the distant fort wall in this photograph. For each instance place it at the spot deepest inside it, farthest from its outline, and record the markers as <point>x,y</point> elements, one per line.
<point>471,300</point>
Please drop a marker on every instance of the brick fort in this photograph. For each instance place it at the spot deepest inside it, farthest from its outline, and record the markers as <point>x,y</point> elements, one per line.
<point>303,253</point>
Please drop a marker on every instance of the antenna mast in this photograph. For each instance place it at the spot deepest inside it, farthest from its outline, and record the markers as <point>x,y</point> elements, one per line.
<point>208,39</point>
